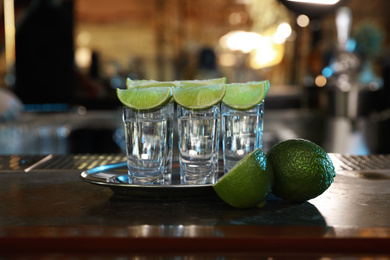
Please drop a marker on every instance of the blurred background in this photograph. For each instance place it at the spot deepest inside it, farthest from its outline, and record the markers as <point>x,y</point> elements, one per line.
<point>328,64</point>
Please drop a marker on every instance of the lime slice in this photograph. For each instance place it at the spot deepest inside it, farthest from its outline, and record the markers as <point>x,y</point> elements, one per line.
<point>149,83</point>
<point>135,83</point>
<point>145,98</point>
<point>248,183</point>
<point>198,82</point>
<point>244,96</point>
<point>199,96</point>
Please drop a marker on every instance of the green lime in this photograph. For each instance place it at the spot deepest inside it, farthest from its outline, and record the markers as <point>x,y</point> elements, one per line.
<point>302,169</point>
<point>199,96</point>
<point>248,183</point>
<point>199,82</point>
<point>130,83</point>
<point>145,98</point>
<point>244,96</point>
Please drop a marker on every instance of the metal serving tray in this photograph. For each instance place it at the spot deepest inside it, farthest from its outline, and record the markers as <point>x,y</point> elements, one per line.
<point>115,177</point>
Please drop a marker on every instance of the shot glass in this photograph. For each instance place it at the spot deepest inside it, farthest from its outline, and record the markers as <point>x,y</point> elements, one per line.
<point>241,133</point>
<point>149,142</point>
<point>198,142</point>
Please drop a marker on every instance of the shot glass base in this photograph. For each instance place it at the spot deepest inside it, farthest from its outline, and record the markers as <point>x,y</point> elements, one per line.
<point>146,180</point>
<point>167,178</point>
<point>191,180</point>
<point>197,174</point>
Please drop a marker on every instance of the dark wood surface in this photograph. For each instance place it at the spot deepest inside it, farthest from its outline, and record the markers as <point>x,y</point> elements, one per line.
<point>52,212</point>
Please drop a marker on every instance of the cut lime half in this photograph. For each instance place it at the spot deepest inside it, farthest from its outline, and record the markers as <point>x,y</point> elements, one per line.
<point>244,96</point>
<point>199,97</point>
<point>248,183</point>
<point>145,98</point>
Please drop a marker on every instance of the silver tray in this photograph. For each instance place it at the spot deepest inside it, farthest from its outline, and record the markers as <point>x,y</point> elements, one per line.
<point>115,177</point>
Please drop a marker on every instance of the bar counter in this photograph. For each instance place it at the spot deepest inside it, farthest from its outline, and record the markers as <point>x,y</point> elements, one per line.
<point>48,211</point>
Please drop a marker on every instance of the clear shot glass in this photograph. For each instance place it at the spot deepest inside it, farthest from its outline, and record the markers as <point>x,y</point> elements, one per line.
<point>198,143</point>
<point>241,133</point>
<point>149,142</point>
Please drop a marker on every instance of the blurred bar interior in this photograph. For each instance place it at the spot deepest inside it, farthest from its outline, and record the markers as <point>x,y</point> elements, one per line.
<point>60,62</point>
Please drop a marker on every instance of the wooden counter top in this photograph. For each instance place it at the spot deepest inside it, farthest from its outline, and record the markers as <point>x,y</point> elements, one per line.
<point>49,211</point>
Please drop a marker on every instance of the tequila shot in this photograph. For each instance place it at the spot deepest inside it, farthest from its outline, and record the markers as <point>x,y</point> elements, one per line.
<point>198,143</point>
<point>241,133</point>
<point>149,142</point>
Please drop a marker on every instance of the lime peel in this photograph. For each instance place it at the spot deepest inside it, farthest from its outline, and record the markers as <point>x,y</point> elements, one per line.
<point>201,82</point>
<point>248,183</point>
<point>302,170</point>
<point>199,97</point>
<point>243,96</point>
<point>145,98</point>
<point>143,83</point>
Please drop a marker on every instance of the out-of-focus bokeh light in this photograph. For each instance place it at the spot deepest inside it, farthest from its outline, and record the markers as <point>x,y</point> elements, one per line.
<point>267,54</point>
<point>282,33</point>
<point>237,18</point>
<point>320,81</point>
<point>327,72</point>
<point>9,31</point>
<point>264,50</point>
<point>240,41</point>
<point>303,20</point>
<point>83,57</point>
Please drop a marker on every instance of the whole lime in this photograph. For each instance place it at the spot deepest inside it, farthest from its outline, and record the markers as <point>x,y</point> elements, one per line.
<point>302,170</point>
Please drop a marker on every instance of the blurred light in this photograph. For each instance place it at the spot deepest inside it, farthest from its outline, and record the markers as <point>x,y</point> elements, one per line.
<point>343,24</point>
<point>83,57</point>
<point>9,30</point>
<point>343,83</point>
<point>351,45</point>
<point>373,86</point>
<point>82,110</point>
<point>227,59</point>
<point>320,2</point>
<point>265,50</point>
<point>320,81</point>
<point>267,54</point>
<point>327,72</point>
<point>303,20</point>
<point>238,18</point>
<point>240,41</point>
<point>282,33</point>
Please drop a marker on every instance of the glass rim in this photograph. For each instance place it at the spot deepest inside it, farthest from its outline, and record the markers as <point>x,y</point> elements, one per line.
<point>196,110</point>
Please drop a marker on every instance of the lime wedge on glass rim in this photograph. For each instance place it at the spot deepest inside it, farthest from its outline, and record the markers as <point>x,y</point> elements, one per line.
<point>197,82</point>
<point>130,83</point>
<point>199,96</point>
<point>244,96</point>
<point>145,98</point>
